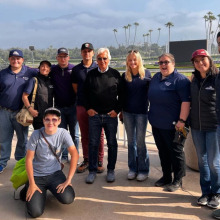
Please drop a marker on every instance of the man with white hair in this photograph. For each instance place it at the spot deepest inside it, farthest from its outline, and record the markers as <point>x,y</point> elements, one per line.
<point>102,102</point>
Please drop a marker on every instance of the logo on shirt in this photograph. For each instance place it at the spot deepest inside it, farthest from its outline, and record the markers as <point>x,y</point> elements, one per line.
<point>167,83</point>
<point>69,71</point>
<point>51,86</point>
<point>209,88</point>
<point>25,78</point>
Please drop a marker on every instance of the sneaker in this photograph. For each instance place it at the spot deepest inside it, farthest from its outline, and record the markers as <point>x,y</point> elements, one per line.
<point>141,177</point>
<point>1,168</point>
<point>110,176</point>
<point>163,181</point>
<point>216,214</point>
<point>64,160</point>
<point>131,175</point>
<point>83,167</point>
<point>175,185</point>
<point>214,202</point>
<point>90,178</point>
<point>100,168</point>
<point>203,200</point>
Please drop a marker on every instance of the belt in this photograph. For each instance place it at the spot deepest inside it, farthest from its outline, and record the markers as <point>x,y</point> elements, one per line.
<point>7,109</point>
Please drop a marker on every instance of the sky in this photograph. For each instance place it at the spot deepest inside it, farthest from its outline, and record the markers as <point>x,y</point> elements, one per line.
<point>70,23</point>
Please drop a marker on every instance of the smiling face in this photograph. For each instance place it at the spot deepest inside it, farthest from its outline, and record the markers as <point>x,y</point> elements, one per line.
<point>103,61</point>
<point>15,62</point>
<point>51,123</point>
<point>202,64</point>
<point>167,66</point>
<point>44,69</point>
<point>63,60</point>
<point>132,62</point>
<point>87,54</point>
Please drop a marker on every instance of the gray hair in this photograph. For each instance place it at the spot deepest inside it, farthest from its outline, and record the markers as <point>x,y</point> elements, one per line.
<point>167,55</point>
<point>102,50</point>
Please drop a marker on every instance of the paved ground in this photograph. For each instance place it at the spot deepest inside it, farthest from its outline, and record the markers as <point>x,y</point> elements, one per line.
<point>122,199</point>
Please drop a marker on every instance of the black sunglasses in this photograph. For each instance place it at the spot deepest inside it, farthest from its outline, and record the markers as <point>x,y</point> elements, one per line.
<point>164,62</point>
<point>133,51</point>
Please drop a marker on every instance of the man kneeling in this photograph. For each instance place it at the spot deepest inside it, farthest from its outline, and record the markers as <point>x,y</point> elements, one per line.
<point>43,164</point>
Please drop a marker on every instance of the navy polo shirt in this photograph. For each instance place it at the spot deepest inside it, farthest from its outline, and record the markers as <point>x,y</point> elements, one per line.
<point>166,97</point>
<point>12,86</point>
<point>78,76</point>
<point>135,93</point>
<point>63,90</point>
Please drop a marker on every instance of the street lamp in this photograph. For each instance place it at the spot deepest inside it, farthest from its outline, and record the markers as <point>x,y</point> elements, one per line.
<point>31,48</point>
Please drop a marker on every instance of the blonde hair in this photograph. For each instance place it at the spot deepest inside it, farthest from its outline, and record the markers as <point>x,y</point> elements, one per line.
<point>141,69</point>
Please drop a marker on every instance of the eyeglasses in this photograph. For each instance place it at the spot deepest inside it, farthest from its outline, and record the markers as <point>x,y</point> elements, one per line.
<point>53,120</point>
<point>164,62</point>
<point>102,58</point>
<point>133,51</point>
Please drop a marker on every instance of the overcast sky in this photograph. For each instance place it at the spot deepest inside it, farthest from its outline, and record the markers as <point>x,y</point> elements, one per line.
<point>70,23</point>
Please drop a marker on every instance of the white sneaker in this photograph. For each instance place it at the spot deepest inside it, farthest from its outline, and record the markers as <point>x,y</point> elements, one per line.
<point>131,175</point>
<point>142,177</point>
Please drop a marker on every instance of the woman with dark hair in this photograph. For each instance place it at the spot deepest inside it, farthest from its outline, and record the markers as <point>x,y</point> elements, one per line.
<point>169,96</point>
<point>135,107</point>
<point>203,122</point>
<point>44,95</point>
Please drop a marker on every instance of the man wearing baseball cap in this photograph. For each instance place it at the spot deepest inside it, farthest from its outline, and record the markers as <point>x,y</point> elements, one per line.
<point>12,83</point>
<point>78,77</point>
<point>64,95</point>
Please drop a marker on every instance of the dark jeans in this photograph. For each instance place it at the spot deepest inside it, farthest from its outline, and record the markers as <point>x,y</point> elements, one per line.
<point>68,121</point>
<point>171,155</point>
<point>36,205</point>
<point>96,123</point>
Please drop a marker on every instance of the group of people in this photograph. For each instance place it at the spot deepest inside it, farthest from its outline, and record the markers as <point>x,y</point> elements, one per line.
<point>94,94</point>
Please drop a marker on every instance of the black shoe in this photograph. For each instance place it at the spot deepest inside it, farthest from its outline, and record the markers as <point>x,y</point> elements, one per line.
<point>163,181</point>
<point>23,193</point>
<point>203,200</point>
<point>175,185</point>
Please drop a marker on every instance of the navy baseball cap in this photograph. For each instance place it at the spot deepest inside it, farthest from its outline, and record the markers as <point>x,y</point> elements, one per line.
<point>87,46</point>
<point>16,53</point>
<point>45,61</point>
<point>63,50</point>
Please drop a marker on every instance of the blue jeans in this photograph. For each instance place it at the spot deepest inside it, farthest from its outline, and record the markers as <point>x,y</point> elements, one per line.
<point>36,205</point>
<point>208,153</point>
<point>8,125</point>
<point>136,126</point>
<point>96,123</point>
<point>68,121</point>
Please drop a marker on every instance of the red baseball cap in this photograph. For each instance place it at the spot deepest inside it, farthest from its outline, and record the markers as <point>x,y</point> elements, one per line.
<point>200,52</point>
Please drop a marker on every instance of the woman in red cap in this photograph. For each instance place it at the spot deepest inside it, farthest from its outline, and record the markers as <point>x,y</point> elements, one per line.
<point>203,121</point>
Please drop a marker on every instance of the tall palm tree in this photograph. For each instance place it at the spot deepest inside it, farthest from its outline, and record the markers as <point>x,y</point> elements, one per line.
<point>206,30</point>
<point>210,19</point>
<point>144,35</point>
<point>159,29</point>
<point>126,40</point>
<point>169,25</point>
<point>135,31</point>
<point>129,30</point>
<point>216,31</point>
<point>115,31</point>
<point>150,31</point>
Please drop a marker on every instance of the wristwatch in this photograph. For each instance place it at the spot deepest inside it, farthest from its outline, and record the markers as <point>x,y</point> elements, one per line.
<point>181,120</point>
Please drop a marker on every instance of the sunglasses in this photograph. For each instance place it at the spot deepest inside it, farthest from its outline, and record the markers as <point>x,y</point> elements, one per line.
<point>53,120</point>
<point>102,58</point>
<point>133,51</point>
<point>164,62</point>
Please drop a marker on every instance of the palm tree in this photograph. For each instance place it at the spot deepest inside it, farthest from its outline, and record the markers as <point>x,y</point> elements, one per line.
<point>125,27</point>
<point>115,31</point>
<point>216,31</point>
<point>206,30</point>
<point>150,35</point>
<point>169,25</point>
<point>147,38</point>
<point>144,35</point>
<point>135,32</point>
<point>210,18</point>
<point>129,27</point>
<point>159,29</point>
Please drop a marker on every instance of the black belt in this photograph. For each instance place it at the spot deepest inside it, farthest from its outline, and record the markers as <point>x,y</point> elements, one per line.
<point>7,109</point>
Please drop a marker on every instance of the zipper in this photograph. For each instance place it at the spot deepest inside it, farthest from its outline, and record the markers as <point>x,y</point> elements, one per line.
<point>62,72</point>
<point>200,126</point>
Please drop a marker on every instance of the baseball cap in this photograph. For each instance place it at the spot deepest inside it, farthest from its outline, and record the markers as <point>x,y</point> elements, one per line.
<point>53,111</point>
<point>62,50</point>
<point>16,53</point>
<point>200,52</point>
<point>45,61</point>
<point>87,46</point>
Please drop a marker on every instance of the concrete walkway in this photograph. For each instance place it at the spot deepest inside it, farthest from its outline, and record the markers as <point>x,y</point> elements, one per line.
<point>122,199</point>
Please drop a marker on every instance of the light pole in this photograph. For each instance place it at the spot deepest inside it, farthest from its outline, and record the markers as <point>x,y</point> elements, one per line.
<point>31,48</point>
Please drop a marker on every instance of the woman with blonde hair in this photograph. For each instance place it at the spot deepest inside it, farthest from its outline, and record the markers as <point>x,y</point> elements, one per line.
<point>135,106</point>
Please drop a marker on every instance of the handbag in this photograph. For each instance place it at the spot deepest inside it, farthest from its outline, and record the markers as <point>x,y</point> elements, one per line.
<point>19,175</point>
<point>55,155</point>
<point>24,117</point>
